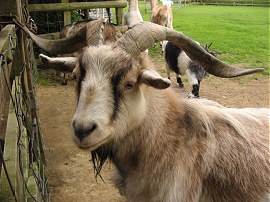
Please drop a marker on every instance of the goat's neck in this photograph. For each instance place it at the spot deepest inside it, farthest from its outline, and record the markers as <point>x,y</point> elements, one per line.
<point>133,5</point>
<point>147,149</point>
<point>153,3</point>
<point>133,150</point>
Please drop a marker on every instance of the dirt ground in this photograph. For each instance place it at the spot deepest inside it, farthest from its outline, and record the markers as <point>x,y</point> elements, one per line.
<point>70,172</point>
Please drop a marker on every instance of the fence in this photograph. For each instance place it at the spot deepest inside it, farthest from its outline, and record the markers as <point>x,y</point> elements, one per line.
<point>22,159</point>
<point>66,8</point>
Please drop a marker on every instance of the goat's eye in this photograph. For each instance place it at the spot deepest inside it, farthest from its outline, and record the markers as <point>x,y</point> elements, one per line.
<point>129,85</point>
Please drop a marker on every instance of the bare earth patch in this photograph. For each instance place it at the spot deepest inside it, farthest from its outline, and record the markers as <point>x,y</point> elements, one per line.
<point>70,172</point>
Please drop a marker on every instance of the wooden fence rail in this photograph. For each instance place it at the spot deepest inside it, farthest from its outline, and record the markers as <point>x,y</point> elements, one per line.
<point>118,5</point>
<point>77,5</point>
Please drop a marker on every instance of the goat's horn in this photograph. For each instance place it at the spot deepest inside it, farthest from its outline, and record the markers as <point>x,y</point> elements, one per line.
<point>87,35</point>
<point>145,34</point>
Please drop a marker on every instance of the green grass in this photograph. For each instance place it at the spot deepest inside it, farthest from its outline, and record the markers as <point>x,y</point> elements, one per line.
<point>241,34</point>
<point>45,80</point>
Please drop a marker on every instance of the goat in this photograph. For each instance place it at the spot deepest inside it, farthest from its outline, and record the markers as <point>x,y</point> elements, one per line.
<point>108,34</point>
<point>176,60</point>
<point>200,152</point>
<point>161,15</point>
<point>67,63</point>
<point>133,15</point>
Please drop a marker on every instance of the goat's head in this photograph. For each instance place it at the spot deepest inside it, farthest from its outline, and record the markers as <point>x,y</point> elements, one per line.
<point>110,100</point>
<point>111,79</point>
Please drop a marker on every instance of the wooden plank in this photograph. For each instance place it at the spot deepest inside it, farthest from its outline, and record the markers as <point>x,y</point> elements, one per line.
<point>10,158</point>
<point>119,16</point>
<point>11,154</point>
<point>67,18</point>
<point>32,187</point>
<point>77,5</point>
<point>5,70</point>
<point>67,14</point>
<point>4,36</point>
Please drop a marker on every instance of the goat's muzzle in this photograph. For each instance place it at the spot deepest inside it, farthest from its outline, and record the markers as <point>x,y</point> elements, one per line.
<point>81,132</point>
<point>89,135</point>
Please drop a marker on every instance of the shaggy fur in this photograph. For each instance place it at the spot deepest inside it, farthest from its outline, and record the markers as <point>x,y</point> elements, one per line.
<point>190,150</point>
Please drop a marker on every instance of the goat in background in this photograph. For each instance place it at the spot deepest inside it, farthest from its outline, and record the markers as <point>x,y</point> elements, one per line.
<point>161,14</point>
<point>107,32</point>
<point>176,60</point>
<point>133,15</point>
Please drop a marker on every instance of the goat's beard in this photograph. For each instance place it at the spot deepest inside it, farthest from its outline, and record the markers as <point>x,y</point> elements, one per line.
<point>99,157</point>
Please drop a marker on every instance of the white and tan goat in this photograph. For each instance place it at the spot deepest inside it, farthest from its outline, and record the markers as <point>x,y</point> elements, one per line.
<point>190,150</point>
<point>161,14</point>
<point>133,15</point>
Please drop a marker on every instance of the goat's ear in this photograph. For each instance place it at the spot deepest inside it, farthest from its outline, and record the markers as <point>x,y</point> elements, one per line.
<point>152,78</point>
<point>65,64</point>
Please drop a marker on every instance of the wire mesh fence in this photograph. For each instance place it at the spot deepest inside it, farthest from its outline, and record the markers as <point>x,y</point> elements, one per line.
<point>23,162</point>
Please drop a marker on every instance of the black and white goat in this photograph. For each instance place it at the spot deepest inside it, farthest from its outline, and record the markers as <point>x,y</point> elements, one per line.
<point>176,60</point>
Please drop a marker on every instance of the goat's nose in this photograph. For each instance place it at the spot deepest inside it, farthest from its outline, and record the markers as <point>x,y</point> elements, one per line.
<point>83,131</point>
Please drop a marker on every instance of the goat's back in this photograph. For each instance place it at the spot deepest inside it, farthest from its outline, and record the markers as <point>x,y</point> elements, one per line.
<point>236,160</point>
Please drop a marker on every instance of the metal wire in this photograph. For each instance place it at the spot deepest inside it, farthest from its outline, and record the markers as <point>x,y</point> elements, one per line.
<point>22,105</point>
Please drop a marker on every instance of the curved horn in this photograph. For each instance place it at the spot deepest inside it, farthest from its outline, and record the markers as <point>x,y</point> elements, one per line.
<point>145,34</point>
<point>87,35</point>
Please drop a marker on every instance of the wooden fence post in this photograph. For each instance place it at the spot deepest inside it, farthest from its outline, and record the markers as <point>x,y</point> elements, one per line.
<point>119,16</point>
<point>67,14</point>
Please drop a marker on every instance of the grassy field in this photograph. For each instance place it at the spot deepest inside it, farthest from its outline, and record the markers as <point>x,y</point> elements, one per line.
<point>241,34</point>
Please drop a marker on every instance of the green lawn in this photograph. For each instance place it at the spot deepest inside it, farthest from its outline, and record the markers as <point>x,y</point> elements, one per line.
<point>241,34</point>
